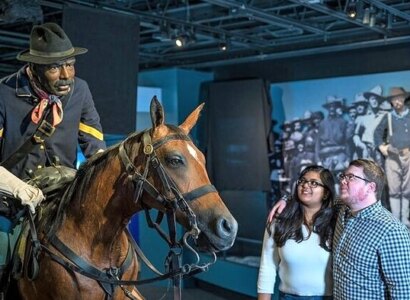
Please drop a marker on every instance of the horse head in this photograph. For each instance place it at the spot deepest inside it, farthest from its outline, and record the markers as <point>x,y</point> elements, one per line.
<point>178,169</point>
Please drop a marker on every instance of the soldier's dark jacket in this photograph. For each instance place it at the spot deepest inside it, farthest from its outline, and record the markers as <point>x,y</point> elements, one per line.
<point>80,125</point>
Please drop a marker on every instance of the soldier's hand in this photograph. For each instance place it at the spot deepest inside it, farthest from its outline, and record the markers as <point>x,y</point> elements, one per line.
<point>384,149</point>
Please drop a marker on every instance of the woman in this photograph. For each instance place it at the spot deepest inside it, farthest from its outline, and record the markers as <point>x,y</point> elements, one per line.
<point>297,245</point>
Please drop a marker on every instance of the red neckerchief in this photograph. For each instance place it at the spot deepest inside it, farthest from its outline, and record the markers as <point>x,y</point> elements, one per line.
<point>45,99</point>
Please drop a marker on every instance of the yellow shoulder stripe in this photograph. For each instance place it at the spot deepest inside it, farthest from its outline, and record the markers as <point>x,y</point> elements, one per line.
<point>92,131</point>
<point>1,132</point>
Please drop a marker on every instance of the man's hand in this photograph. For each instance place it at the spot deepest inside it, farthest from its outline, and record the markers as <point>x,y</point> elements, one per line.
<point>27,194</point>
<point>384,149</point>
<point>276,210</point>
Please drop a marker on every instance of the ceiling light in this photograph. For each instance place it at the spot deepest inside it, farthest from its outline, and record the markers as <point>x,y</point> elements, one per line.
<point>223,46</point>
<point>352,9</point>
<point>366,16</point>
<point>351,12</point>
<point>181,41</point>
<point>372,20</point>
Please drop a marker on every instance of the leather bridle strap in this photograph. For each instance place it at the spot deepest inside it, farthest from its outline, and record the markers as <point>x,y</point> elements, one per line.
<point>86,268</point>
<point>103,278</point>
<point>199,192</point>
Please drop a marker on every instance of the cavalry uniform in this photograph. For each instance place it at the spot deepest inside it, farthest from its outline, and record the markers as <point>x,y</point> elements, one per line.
<point>80,125</point>
<point>397,162</point>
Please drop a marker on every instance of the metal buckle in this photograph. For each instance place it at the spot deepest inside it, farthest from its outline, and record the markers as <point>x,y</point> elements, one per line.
<point>45,128</point>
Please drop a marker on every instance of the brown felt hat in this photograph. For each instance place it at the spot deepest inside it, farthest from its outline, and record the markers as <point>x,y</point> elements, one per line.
<point>397,92</point>
<point>49,44</point>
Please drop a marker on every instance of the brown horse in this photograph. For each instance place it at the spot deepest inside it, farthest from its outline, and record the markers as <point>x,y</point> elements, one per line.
<point>159,169</point>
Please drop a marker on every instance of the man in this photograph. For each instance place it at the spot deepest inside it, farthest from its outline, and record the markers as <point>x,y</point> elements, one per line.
<point>351,124</point>
<point>392,137</point>
<point>45,89</point>
<point>332,140</point>
<point>312,133</point>
<point>49,77</point>
<point>365,126</point>
<point>371,248</point>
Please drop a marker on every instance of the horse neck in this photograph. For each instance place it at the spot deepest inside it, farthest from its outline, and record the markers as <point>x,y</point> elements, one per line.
<point>100,212</point>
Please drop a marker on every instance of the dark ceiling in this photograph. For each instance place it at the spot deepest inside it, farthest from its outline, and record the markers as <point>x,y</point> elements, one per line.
<point>251,30</point>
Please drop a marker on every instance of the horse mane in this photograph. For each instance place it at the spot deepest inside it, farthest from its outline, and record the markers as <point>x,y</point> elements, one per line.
<point>54,213</point>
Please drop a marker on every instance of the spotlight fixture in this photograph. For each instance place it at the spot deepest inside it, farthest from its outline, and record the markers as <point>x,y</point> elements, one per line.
<point>223,46</point>
<point>366,16</point>
<point>372,20</point>
<point>181,41</point>
<point>389,22</point>
<point>352,13</point>
<point>351,10</point>
<point>373,16</point>
<point>184,37</point>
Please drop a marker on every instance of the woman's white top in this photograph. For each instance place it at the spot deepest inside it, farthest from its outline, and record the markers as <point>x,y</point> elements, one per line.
<point>305,268</point>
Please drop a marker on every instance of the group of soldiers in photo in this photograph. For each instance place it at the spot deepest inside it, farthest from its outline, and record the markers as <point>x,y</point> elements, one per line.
<point>346,130</point>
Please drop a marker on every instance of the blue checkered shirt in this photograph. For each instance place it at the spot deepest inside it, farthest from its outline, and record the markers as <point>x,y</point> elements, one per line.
<point>371,256</point>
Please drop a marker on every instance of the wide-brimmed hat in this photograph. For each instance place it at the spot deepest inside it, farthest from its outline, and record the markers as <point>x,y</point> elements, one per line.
<point>359,99</point>
<point>375,92</point>
<point>286,124</point>
<point>334,101</point>
<point>49,44</point>
<point>397,92</point>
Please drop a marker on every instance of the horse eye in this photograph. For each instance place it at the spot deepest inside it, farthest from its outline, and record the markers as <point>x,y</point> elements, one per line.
<point>174,161</point>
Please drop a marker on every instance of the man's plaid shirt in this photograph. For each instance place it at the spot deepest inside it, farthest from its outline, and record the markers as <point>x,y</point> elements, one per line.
<point>371,256</point>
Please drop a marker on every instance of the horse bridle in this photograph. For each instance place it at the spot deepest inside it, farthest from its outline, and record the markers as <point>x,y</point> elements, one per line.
<point>179,201</point>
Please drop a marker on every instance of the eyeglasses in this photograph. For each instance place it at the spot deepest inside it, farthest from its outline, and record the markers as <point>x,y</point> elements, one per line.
<point>311,183</point>
<point>350,177</point>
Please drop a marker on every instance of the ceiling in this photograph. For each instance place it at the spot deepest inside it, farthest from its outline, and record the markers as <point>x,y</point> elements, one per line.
<point>251,30</point>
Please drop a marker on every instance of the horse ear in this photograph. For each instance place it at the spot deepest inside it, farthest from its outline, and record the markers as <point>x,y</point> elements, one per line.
<point>157,112</point>
<point>191,120</point>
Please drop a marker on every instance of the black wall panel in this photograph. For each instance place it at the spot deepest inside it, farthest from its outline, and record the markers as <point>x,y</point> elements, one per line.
<point>111,65</point>
<point>236,130</point>
<point>346,63</point>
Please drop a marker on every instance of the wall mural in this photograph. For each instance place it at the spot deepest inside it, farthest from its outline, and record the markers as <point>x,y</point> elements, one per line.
<point>333,121</point>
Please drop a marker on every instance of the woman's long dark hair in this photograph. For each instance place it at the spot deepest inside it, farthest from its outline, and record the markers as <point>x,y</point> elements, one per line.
<point>289,224</point>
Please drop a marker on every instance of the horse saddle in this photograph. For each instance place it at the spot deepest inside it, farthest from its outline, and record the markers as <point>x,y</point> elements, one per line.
<point>52,179</point>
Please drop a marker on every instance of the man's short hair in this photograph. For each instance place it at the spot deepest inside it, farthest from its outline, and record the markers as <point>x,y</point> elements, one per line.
<point>372,172</point>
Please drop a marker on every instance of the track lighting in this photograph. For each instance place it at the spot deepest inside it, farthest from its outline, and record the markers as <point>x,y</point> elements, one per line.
<point>181,41</point>
<point>351,9</point>
<point>366,16</point>
<point>223,46</point>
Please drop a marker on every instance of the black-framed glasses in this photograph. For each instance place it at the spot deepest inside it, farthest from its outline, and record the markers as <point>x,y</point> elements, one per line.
<point>311,183</point>
<point>350,177</point>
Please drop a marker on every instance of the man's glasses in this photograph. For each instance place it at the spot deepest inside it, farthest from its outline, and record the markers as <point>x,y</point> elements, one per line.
<point>350,177</point>
<point>311,183</point>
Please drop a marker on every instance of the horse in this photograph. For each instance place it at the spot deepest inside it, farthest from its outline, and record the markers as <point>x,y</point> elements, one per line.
<point>85,237</point>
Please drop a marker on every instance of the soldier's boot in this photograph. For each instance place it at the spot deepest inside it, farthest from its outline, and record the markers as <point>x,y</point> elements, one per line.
<point>395,207</point>
<point>405,212</point>
<point>4,281</point>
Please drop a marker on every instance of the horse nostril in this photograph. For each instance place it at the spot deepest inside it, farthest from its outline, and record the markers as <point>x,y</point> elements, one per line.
<point>224,228</point>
